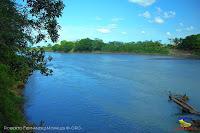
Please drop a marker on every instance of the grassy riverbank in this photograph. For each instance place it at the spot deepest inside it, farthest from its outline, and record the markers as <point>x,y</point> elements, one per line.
<point>14,72</point>
<point>11,95</point>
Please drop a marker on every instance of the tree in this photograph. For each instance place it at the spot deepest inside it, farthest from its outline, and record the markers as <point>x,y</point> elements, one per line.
<point>84,45</point>
<point>176,41</point>
<point>25,24</point>
<point>55,47</point>
<point>66,46</point>
<point>97,44</point>
<point>21,26</point>
<point>191,43</point>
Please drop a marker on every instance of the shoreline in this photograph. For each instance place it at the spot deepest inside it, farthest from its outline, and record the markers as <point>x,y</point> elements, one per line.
<point>13,101</point>
<point>172,53</point>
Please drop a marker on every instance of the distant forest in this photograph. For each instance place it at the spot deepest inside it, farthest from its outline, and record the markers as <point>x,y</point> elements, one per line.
<point>189,43</point>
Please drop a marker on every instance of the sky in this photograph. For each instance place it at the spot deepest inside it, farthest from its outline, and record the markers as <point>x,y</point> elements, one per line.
<point>129,20</point>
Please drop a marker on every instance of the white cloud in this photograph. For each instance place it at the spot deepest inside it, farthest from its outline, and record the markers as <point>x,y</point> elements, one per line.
<point>159,20</point>
<point>146,14</point>
<point>178,30</point>
<point>168,33</point>
<point>184,28</point>
<point>143,2</point>
<point>159,10</point>
<point>181,24</point>
<point>124,33</point>
<point>117,19</point>
<point>143,32</point>
<point>190,28</point>
<point>159,16</point>
<point>165,14</point>
<point>169,14</point>
<point>98,18</point>
<point>104,30</point>
<point>112,26</point>
<point>107,28</point>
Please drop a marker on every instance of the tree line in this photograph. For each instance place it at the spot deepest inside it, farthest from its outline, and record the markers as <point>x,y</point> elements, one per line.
<point>189,43</point>
<point>98,45</point>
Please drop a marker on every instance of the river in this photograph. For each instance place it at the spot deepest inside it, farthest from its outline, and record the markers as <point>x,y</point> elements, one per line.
<point>113,93</point>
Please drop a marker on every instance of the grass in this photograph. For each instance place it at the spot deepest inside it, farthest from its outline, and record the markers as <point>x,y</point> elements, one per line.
<point>11,99</point>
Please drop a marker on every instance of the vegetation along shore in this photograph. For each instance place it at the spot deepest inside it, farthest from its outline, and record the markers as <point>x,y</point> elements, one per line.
<point>186,47</point>
<point>17,59</point>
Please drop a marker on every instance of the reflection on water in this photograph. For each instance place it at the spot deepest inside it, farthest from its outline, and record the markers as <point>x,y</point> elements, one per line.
<point>112,92</point>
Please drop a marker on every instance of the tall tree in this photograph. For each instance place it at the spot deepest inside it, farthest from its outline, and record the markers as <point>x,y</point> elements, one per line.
<point>25,24</point>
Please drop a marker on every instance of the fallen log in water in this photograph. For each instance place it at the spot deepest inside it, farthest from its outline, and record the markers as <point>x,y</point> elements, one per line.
<point>181,101</point>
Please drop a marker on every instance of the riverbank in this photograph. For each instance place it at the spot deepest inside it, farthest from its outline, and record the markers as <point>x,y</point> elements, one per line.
<point>182,53</point>
<point>183,47</point>
<point>17,60</point>
<point>11,97</point>
<point>172,52</point>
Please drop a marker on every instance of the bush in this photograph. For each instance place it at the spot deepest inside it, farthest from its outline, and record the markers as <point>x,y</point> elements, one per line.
<point>10,103</point>
<point>66,46</point>
<point>190,43</point>
<point>83,45</point>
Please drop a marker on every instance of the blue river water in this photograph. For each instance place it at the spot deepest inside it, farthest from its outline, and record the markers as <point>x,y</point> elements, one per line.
<point>111,93</point>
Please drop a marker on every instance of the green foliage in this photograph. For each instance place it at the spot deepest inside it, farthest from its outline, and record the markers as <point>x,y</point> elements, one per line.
<point>6,80</point>
<point>148,47</point>
<point>97,44</point>
<point>66,46</point>
<point>89,45</point>
<point>20,21</point>
<point>190,43</point>
<point>56,47</point>
<point>21,26</point>
<point>10,103</point>
<point>47,48</point>
<point>83,45</point>
<point>176,41</point>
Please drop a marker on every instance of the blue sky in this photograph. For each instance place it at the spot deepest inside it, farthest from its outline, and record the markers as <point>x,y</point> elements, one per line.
<point>129,20</point>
